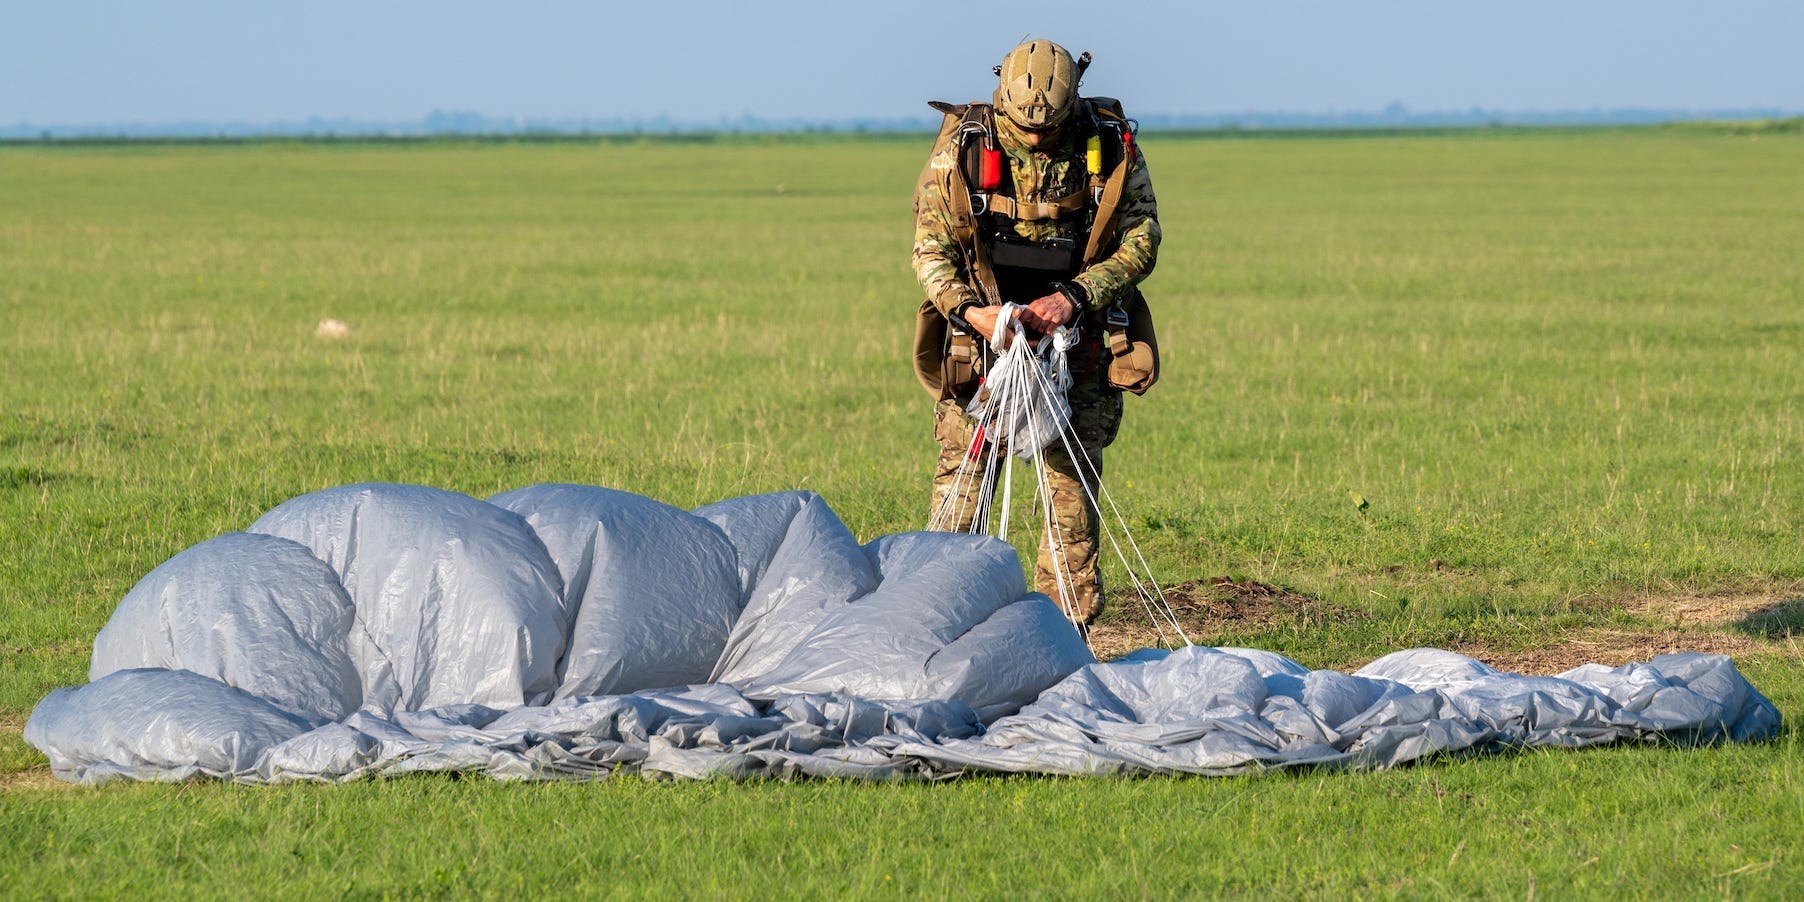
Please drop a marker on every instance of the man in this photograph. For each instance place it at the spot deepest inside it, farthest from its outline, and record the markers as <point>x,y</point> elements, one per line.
<point>1040,199</point>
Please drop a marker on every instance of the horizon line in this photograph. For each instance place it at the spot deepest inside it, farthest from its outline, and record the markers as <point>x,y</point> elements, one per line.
<point>464,122</point>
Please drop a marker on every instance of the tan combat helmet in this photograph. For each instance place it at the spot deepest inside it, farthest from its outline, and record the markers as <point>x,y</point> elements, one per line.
<point>1039,85</point>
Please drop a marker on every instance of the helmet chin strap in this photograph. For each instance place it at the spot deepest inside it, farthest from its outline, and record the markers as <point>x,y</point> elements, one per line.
<point>1043,134</point>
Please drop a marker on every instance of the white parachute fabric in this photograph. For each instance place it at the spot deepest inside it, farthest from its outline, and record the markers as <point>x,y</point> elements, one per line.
<point>252,611</point>
<point>576,632</point>
<point>457,601</point>
<point>651,592</point>
<point>798,563</point>
<point>1221,711</point>
<point>156,724</point>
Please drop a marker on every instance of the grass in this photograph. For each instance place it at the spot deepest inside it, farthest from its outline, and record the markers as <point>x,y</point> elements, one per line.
<point>1565,370</point>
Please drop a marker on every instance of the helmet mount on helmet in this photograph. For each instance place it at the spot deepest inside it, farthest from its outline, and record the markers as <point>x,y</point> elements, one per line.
<point>1037,88</point>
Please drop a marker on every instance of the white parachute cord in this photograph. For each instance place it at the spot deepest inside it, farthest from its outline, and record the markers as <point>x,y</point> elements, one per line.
<point>984,473</point>
<point>983,413</point>
<point>1004,318</point>
<point>1145,572</point>
<point>958,501</point>
<point>986,492</point>
<point>951,507</point>
<point>996,412</point>
<point>1063,585</point>
<point>1139,579</point>
<point>1054,365</point>
<point>983,486</point>
<point>1087,474</point>
<point>1008,484</point>
<point>1063,341</point>
<point>1013,401</point>
<point>1157,617</point>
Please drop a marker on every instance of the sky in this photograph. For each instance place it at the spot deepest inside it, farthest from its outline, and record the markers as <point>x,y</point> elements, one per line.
<point>100,61</point>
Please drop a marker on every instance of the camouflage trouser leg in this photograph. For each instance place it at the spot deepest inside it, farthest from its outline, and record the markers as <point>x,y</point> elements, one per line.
<point>1095,419</point>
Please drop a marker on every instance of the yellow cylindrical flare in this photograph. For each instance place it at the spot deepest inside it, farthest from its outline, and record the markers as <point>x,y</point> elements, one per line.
<point>1093,155</point>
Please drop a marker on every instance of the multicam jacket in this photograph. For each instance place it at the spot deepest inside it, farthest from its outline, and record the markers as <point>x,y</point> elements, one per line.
<point>1041,174</point>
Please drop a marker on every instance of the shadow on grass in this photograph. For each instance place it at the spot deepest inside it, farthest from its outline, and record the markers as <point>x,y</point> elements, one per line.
<point>1784,620</point>
<point>13,477</point>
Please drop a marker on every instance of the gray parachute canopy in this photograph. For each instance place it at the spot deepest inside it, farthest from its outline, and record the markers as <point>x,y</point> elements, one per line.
<point>574,631</point>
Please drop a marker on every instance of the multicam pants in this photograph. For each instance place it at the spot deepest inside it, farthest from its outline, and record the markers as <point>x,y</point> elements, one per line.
<point>1095,419</point>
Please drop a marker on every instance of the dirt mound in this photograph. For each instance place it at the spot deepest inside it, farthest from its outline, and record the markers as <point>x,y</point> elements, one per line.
<point>1208,609</point>
<point>1222,603</point>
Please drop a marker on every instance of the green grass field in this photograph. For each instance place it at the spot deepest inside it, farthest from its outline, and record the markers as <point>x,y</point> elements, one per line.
<point>1566,370</point>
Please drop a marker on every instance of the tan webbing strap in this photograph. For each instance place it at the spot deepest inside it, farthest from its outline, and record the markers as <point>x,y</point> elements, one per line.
<point>982,274</point>
<point>1118,340</point>
<point>983,115</point>
<point>1102,227</point>
<point>1037,211</point>
<point>957,190</point>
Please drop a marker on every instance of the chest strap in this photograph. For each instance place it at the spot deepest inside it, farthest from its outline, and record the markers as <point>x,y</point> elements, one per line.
<point>1035,211</point>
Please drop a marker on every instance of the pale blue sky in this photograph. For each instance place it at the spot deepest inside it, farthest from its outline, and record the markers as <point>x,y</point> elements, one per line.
<point>75,61</point>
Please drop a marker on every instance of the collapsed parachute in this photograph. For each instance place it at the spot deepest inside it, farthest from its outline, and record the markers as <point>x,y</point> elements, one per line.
<point>572,631</point>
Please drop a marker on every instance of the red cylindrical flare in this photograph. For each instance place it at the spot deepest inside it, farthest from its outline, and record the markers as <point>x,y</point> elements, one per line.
<point>975,452</point>
<point>989,169</point>
<point>1127,144</point>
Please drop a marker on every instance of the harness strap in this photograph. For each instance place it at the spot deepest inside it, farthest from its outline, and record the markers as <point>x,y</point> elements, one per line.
<point>1037,211</point>
<point>976,122</point>
<point>1107,206</point>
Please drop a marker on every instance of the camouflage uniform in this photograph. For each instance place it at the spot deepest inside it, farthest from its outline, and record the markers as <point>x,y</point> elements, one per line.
<point>1041,173</point>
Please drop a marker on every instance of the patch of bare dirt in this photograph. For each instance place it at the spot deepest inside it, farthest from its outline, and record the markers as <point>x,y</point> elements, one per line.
<point>1724,624</point>
<point>1611,647</point>
<point>1206,609</point>
<point>1771,614</point>
<point>1729,624</point>
<point>1221,601</point>
<point>35,778</point>
<point>1109,641</point>
<point>32,778</point>
<point>50,650</point>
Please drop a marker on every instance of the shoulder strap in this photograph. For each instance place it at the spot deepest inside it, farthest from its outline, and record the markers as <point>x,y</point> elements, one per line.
<point>1118,137</point>
<point>965,129</point>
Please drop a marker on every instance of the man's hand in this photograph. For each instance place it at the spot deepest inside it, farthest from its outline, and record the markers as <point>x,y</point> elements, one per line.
<point>1048,313</point>
<point>983,323</point>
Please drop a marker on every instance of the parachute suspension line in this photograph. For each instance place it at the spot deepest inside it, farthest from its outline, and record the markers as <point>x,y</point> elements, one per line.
<point>1008,482</point>
<point>1054,539</point>
<point>1055,544</point>
<point>1146,589</point>
<point>956,505</point>
<point>1054,381</point>
<point>1022,408</point>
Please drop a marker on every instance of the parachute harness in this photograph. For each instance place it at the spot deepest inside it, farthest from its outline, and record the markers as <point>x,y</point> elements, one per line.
<point>1021,409</point>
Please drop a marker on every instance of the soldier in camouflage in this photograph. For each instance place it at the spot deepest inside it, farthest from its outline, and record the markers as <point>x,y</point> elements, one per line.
<point>1043,147</point>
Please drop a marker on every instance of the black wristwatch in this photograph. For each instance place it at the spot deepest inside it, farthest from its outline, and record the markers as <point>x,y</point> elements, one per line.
<point>1074,293</point>
<point>957,316</point>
